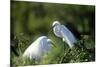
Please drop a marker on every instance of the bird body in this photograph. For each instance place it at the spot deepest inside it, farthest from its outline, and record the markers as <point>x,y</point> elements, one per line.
<point>38,48</point>
<point>64,33</point>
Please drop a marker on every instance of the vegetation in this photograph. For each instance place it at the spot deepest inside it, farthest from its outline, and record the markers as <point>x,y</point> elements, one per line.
<point>30,20</point>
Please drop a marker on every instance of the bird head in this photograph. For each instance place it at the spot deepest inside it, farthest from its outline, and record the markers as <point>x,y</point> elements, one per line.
<point>55,23</point>
<point>51,42</point>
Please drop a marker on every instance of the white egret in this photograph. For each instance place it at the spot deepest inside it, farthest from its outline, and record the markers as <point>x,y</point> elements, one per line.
<point>64,33</point>
<point>38,48</point>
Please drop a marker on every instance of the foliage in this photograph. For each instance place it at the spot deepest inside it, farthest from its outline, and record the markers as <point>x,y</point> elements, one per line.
<point>79,53</point>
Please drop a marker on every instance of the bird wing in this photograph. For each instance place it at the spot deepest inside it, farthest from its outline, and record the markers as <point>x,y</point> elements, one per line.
<point>33,50</point>
<point>44,45</point>
<point>67,35</point>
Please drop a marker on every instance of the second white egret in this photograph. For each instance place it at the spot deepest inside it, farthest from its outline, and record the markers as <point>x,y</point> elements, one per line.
<point>64,33</point>
<point>38,48</point>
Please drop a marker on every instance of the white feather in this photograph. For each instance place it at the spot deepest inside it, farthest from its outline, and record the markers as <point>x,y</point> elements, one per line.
<point>37,49</point>
<point>64,33</point>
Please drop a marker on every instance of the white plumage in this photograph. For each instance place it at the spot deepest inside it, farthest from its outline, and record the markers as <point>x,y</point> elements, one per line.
<point>64,33</point>
<point>38,48</point>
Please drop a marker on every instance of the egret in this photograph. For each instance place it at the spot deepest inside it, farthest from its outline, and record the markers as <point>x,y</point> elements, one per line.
<point>64,33</point>
<point>38,48</point>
